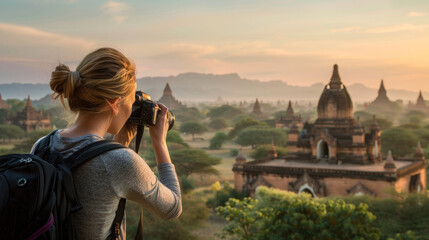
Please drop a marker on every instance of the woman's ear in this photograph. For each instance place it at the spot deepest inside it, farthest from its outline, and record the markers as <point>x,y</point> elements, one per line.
<point>113,104</point>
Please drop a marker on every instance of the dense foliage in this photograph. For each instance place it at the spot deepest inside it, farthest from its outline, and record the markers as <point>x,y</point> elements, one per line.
<point>224,111</point>
<point>258,136</point>
<point>276,214</point>
<point>218,140</point>
<point>8,132</point>
<point>222,195</point>
<point>218,124</point>
<point>192,128</point>
<point>401,141</point>
<point>242,124</point>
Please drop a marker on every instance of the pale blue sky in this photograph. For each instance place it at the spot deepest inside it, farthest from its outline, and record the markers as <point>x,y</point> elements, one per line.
<point>296,41</point>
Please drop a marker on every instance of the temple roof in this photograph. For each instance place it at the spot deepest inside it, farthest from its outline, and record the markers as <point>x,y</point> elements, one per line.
<point>420,100</point>
<point>257,108</point>
<point>335,101</point>
<point>168,99</point>
<point>167,90</point>
<point>289,111</point>
<point>382,98</point>
<point>335,82</point>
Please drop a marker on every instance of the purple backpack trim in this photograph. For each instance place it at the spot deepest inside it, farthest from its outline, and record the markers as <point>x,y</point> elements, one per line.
<point>42,229</point>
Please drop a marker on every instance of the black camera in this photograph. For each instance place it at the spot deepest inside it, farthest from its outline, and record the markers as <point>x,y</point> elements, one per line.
<point>145,112</point>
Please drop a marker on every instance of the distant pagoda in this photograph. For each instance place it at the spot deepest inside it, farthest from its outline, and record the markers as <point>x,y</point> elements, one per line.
<point>420,101</point>
<point>382,100</point>
<point>3,104</point>
<point>420,104</point>
<point>257,109</point>
<point>289,118</point>
<point>168,100</point>
<point>30,119</point>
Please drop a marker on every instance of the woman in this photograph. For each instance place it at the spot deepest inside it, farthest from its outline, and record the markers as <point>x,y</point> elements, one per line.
<point>101,91</point>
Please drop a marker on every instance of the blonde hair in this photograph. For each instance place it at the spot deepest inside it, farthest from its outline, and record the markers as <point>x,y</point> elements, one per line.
<point>104,74</point>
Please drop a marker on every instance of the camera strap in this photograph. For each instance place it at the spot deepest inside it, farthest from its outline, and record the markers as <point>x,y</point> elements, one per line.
<point>140,131</point>
<point>139,136</point>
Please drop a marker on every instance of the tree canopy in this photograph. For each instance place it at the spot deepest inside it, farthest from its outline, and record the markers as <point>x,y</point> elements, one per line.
<point>287,215</point>
<point>258,136</point>
<point>218,124</point>
<point>242,124</point>
<point>218,140</point>
<point>189,161</point>
<point>224,111</point>
<point>192,128</point>
<point>401,141</point>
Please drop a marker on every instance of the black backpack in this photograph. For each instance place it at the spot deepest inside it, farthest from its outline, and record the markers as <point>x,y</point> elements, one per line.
<point>38,195</point>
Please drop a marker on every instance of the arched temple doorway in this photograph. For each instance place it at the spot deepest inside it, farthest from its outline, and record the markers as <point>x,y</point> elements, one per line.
<point>307,189</point>
<point>323,150</point>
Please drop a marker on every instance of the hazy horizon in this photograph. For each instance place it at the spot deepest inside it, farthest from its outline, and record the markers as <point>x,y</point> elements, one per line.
<point>293,41</point>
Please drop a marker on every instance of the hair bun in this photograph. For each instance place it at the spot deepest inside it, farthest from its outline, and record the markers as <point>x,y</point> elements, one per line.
<point>62,82</point>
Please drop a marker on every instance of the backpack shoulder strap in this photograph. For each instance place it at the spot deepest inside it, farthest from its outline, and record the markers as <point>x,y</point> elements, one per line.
<point>89,152</point>
<point>42,146</point>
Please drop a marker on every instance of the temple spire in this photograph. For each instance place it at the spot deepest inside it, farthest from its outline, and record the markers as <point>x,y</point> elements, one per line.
<point>390,163</point>
<point>167,90</point>
<point>29,103</point>
<point>272,153</point>
<point>289,111</point>
<point>335,82</point>
<point>257,108</point>
<point>419,155</point>
<point>420,100</point>
<point>382,90</point>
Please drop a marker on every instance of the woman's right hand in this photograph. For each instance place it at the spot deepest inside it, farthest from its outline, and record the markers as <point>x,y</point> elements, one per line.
<point>158,135</point>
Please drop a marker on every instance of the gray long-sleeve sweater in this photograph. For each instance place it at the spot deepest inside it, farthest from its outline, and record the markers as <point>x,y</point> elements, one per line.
<point>104,180</point>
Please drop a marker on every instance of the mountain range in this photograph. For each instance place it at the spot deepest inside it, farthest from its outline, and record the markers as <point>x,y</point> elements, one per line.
<point>190,87</point>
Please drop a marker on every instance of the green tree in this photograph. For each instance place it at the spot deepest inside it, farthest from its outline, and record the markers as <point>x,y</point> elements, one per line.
<point>218,140</point>
<point>258,136</point>
<point>401,141</point>
<point>242,124</point>
<point>15,105</point>
<point>382,123</point>
<point>8,132</point>
<point>188,114</point>
<point>242,217</point>
<point>225,111</point>
<point>222,195</point>
<point>218,124</point>
<point>173,136</point>
<point>193,128</point>
<point>189,161</point>
<point>4,113</point>
<point>292,216</point>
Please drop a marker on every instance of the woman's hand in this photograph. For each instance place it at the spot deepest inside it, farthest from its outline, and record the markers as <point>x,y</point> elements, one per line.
<point>158,135</point>
<point>126,134</point>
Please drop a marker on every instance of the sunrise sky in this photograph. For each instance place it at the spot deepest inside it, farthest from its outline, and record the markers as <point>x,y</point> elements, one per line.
<point>293,41</point>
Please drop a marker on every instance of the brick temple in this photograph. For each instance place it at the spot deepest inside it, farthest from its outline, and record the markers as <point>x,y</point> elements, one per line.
<point>334,155</point>
<point>30,119</point>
